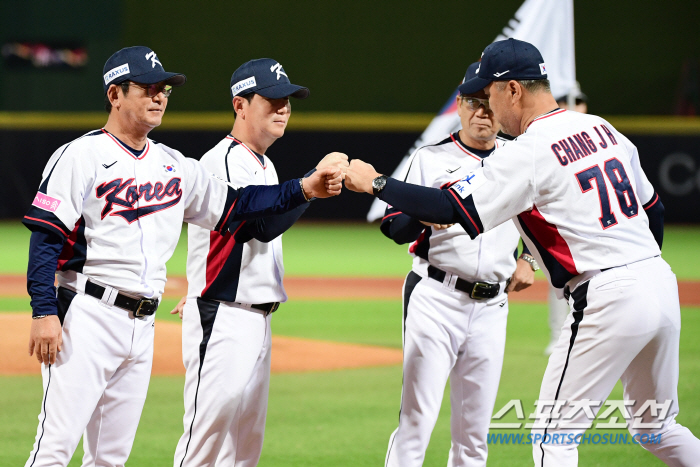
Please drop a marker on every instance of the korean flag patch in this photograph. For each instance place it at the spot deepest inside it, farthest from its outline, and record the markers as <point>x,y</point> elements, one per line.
<point>470,183</point>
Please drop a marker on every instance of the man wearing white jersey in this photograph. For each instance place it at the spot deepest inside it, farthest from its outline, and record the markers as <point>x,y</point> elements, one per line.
<point>106,218</point>
<point>574,186</point>
<point>235,283</point>
<point>454,300</point>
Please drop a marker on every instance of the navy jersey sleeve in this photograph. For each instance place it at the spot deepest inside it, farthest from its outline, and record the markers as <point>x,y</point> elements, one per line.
<point>399,227</point>
<point>429,204</point>
<point>655,212</point>
<point>45,247</point>
<point>266,229</point>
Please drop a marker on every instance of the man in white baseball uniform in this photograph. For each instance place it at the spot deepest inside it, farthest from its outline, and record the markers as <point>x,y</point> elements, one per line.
<point>455,300</point>
<point>574,186</point>
<point>235,283</point>
<point>106,218</point>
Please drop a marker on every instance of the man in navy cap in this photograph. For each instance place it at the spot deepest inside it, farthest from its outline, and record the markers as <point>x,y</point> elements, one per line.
<point>576,190</point>
<point>106,218</point>
<point>235,283</point>
<point>455,300</point>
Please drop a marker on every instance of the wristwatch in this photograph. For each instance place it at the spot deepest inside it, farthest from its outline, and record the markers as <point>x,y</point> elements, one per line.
<point>378,184</point>
<point>532,261</point>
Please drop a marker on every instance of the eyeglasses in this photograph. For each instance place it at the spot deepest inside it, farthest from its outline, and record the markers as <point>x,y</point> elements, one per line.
<point>474,103</point>
<point>152,90</point>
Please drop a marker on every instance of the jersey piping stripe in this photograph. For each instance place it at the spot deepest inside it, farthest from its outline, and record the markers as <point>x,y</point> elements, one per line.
<point>391,215</point>
<point>412,280</point>
<point>46,394</point>
<point>249,150</point>
<point>49,223</point>
<point>476,227</point>
<point>138,158</point>
<point>464,150</point>
<point>220,248</point>
<point>653,201</point>
<point>548,236</point>
<point>547,115</point>
<point>229,213</point>
<point>580,303</point>
<point>207,315</point>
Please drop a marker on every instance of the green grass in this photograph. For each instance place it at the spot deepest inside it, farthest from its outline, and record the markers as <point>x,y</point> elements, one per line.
<point>320,249</point>
<point>344,418</point>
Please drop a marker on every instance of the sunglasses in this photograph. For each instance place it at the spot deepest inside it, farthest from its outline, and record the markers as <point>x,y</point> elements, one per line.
<point>152,90</point>
<point>474,103</point>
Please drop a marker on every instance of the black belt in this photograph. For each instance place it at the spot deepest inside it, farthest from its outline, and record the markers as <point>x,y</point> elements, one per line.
<point>267,307</point>
<point>140,306</point>
<point>476,290</point>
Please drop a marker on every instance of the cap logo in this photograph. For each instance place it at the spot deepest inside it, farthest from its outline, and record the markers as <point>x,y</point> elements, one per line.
<point>242,85</point>
<point>154,60</point>
<point>278,68</point>
<point>498,75</point>
<point>116,72</point>
<point>543,70</point>
<point>477,69</point>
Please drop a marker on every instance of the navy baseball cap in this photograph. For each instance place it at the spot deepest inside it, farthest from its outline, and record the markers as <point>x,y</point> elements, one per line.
<point>471,73</point>
<point>506,60</point>
<point>140,65</point>
<point>266,77</point>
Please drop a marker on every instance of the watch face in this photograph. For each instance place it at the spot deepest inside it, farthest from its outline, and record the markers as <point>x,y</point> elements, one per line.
<point>378,184</point>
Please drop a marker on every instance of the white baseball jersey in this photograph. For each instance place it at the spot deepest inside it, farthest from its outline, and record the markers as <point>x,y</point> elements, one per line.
<point>576,189</point>
<point>489,257</point>
<point>118,207</point>
<point>219,267</point>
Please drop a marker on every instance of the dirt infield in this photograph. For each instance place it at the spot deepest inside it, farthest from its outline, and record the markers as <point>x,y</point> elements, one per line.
<point>288,354</point>
<point>330,288</point>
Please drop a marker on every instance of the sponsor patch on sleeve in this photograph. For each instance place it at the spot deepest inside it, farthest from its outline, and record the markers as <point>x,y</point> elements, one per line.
<point>46,202</point>
<point>470,183</point>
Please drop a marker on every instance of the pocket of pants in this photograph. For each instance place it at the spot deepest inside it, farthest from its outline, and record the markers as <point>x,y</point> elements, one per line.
<point>616,283</point>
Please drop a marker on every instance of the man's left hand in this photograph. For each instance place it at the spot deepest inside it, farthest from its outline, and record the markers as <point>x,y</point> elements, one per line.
<point>523,277</point>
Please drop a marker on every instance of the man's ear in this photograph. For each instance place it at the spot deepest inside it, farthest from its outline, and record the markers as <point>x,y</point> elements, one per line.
<point>238,106</point>
<point>515,90</point>
<point>114,96</point>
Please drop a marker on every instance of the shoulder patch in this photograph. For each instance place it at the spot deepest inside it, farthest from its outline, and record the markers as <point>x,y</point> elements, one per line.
<point>469,184</point>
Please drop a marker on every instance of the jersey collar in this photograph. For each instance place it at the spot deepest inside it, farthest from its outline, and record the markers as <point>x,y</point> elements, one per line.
<point>136,154</point>
<point>258,157</point>
<point>551,113</point>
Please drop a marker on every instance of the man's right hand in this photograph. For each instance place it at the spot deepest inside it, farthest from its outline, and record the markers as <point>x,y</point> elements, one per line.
<point>179,307</point>
<point>335,159</point>
<point>437,226</point>
<point>323,183</point>
<point>46,339</point>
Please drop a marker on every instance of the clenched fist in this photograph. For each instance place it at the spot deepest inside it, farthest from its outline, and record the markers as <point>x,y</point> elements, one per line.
<point>359,176</point>
<point>323,183</point>
<point>334,159</point>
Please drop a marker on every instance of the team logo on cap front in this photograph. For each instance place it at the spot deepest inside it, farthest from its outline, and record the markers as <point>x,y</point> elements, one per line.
<point>116,72</point>
<point>278,68</point>
<point>152,57</point>
<point>242,85</point>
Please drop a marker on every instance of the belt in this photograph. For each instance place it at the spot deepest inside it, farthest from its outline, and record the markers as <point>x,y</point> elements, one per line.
<point>140,306</point>
<point>476,290</point>
<point>267,307</point>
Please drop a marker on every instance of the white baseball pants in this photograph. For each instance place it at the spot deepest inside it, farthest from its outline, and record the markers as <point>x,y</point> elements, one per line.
<point>226,350</point>
<point>625,324</point>
<point>448,334</point>
<point>97,387</point>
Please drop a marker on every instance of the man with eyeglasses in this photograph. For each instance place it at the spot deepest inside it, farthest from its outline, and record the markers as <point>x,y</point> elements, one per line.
<point>455,300</point>
<point>106,218</point>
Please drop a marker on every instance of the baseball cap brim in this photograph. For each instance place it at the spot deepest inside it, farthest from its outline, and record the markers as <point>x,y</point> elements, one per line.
<point>473,86</point>
<point>283,90</point>
<point>173,79</point>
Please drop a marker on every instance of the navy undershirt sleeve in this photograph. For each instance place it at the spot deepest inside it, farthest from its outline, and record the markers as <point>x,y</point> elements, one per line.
<point>655,212</point>
<point>402,228</point>
<point>427,204</point>
<point>44,249</point>
<point>266,229</point>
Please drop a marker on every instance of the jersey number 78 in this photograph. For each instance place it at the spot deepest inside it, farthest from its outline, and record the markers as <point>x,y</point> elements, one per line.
<point>617,177</point>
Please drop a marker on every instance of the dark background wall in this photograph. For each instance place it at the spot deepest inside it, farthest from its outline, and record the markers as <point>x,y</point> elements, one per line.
<point>363,55</point>
<point>672,164</point>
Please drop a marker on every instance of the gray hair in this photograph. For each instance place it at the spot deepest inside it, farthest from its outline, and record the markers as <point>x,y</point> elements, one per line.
<point>531,85</point>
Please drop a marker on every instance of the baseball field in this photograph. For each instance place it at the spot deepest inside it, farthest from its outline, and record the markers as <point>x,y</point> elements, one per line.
<point>336,383</point>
